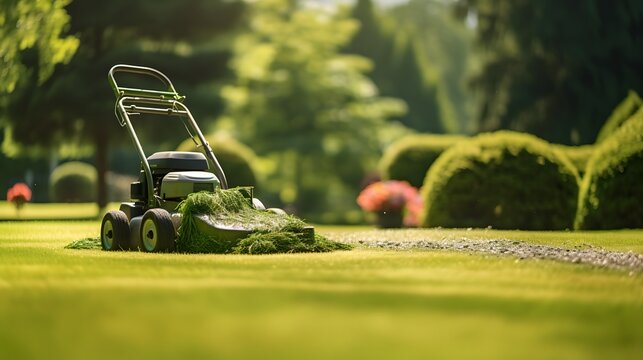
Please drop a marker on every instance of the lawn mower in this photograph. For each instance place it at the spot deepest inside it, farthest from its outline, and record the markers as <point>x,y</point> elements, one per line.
<point>150,221</point>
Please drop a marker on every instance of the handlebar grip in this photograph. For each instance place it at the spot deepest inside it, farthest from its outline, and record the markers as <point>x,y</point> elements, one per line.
<point>138,70</point>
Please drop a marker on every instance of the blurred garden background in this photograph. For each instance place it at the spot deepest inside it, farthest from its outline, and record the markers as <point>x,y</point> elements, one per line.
<point>509,114</point>
<point>486,123</point>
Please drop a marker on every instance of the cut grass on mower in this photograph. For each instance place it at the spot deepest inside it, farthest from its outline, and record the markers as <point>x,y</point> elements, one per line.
<point>271,232</point>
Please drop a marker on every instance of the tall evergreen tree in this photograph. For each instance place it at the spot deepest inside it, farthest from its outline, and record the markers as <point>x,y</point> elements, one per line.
<point>400,70</point>
<point>77,101</point>
<point>555,69</point>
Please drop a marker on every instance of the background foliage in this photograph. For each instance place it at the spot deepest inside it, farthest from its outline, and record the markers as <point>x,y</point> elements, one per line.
<point>555,69</point>
<point>75,104</point>
<point>400,69</point>
<point>37,25</point>
<point>301,102</point>
<point>317,91</point>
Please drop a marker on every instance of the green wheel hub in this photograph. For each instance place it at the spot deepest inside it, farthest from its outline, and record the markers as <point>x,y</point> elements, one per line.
<point>150,235</point>
<point>108,234</point>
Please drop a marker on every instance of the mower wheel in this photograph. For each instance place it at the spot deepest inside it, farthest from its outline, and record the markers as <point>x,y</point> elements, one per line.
<point>114,231</point>
<point>157,231</point>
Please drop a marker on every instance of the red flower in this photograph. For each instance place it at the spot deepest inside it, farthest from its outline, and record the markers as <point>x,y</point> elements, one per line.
<point>392,195</point>
<point>19,194</point>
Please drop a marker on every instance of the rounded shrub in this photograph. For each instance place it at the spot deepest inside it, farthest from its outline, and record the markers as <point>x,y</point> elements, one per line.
<point>410,157</point>
<point>621,113</point>
<point>235,158</point>
<point>611,194</point>
<point>73,182</point>
<point>505,180</point>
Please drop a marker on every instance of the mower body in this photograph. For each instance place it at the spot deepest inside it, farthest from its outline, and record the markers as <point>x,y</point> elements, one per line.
<point>150,221</point>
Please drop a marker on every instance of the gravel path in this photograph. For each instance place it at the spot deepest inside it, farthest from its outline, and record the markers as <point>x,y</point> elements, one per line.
<point>585,254</point>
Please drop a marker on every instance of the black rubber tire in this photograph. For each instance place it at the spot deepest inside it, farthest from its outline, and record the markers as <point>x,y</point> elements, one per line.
<point>114,231</point>
<point>157,231</point>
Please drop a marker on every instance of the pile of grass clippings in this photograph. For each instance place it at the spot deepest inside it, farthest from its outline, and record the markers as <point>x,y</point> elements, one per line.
<point>85,244</point>
<point>269,233</point>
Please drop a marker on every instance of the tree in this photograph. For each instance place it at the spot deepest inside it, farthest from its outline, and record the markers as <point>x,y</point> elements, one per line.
<point>401,70</point>
<point>555,69</point>
<point>32,24</point>
<point>446,43</point>
<point>76,102</point>
<point>298,99</point>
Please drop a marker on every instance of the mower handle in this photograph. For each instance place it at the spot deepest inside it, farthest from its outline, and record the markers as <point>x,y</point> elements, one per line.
<point>131,101</point>
<point>120,91</point>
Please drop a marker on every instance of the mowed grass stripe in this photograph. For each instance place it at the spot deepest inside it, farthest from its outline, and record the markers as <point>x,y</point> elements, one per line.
<point>251,323</point>
<point>374,304</point>
<point>429,273</point>
<point>230,324</point>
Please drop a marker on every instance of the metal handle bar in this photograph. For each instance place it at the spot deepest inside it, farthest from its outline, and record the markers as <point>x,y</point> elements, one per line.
<point>120,91</point>
<point>126,106</point>
<point>151,106</point>
<point>138,105</point>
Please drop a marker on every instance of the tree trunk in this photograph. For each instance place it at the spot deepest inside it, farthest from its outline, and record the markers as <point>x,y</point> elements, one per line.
<point>101,139</point>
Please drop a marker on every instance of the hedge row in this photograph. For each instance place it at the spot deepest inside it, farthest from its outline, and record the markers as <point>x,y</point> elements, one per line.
<point>623,111</point>
<point>410,158</point>
<point>505,180</point>
<point>578,155</point>
<point>73,182</point>
<point>516,181</point>
<point>76,182</point>
<point>611,194</point>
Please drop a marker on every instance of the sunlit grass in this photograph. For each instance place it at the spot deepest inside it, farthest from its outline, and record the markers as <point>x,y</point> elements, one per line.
<point>358,304</point>
<point>55,211</point>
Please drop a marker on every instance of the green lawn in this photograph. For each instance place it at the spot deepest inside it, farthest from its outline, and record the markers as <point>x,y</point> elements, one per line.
<point>46,211</point>
<point>372,304</point>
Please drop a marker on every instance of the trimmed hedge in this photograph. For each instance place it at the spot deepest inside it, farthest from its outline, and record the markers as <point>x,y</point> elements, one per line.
<point>73,182</point>
<point>611,194</point>
<point>235,159</point>
<point>505,180</point>
<point>622,112</point>
<point>410,157</point>
<point>578,155</point>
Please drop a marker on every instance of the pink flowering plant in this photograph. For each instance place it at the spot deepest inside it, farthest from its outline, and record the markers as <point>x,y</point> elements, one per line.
<point>392,196</point>
<point>19,195</point>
